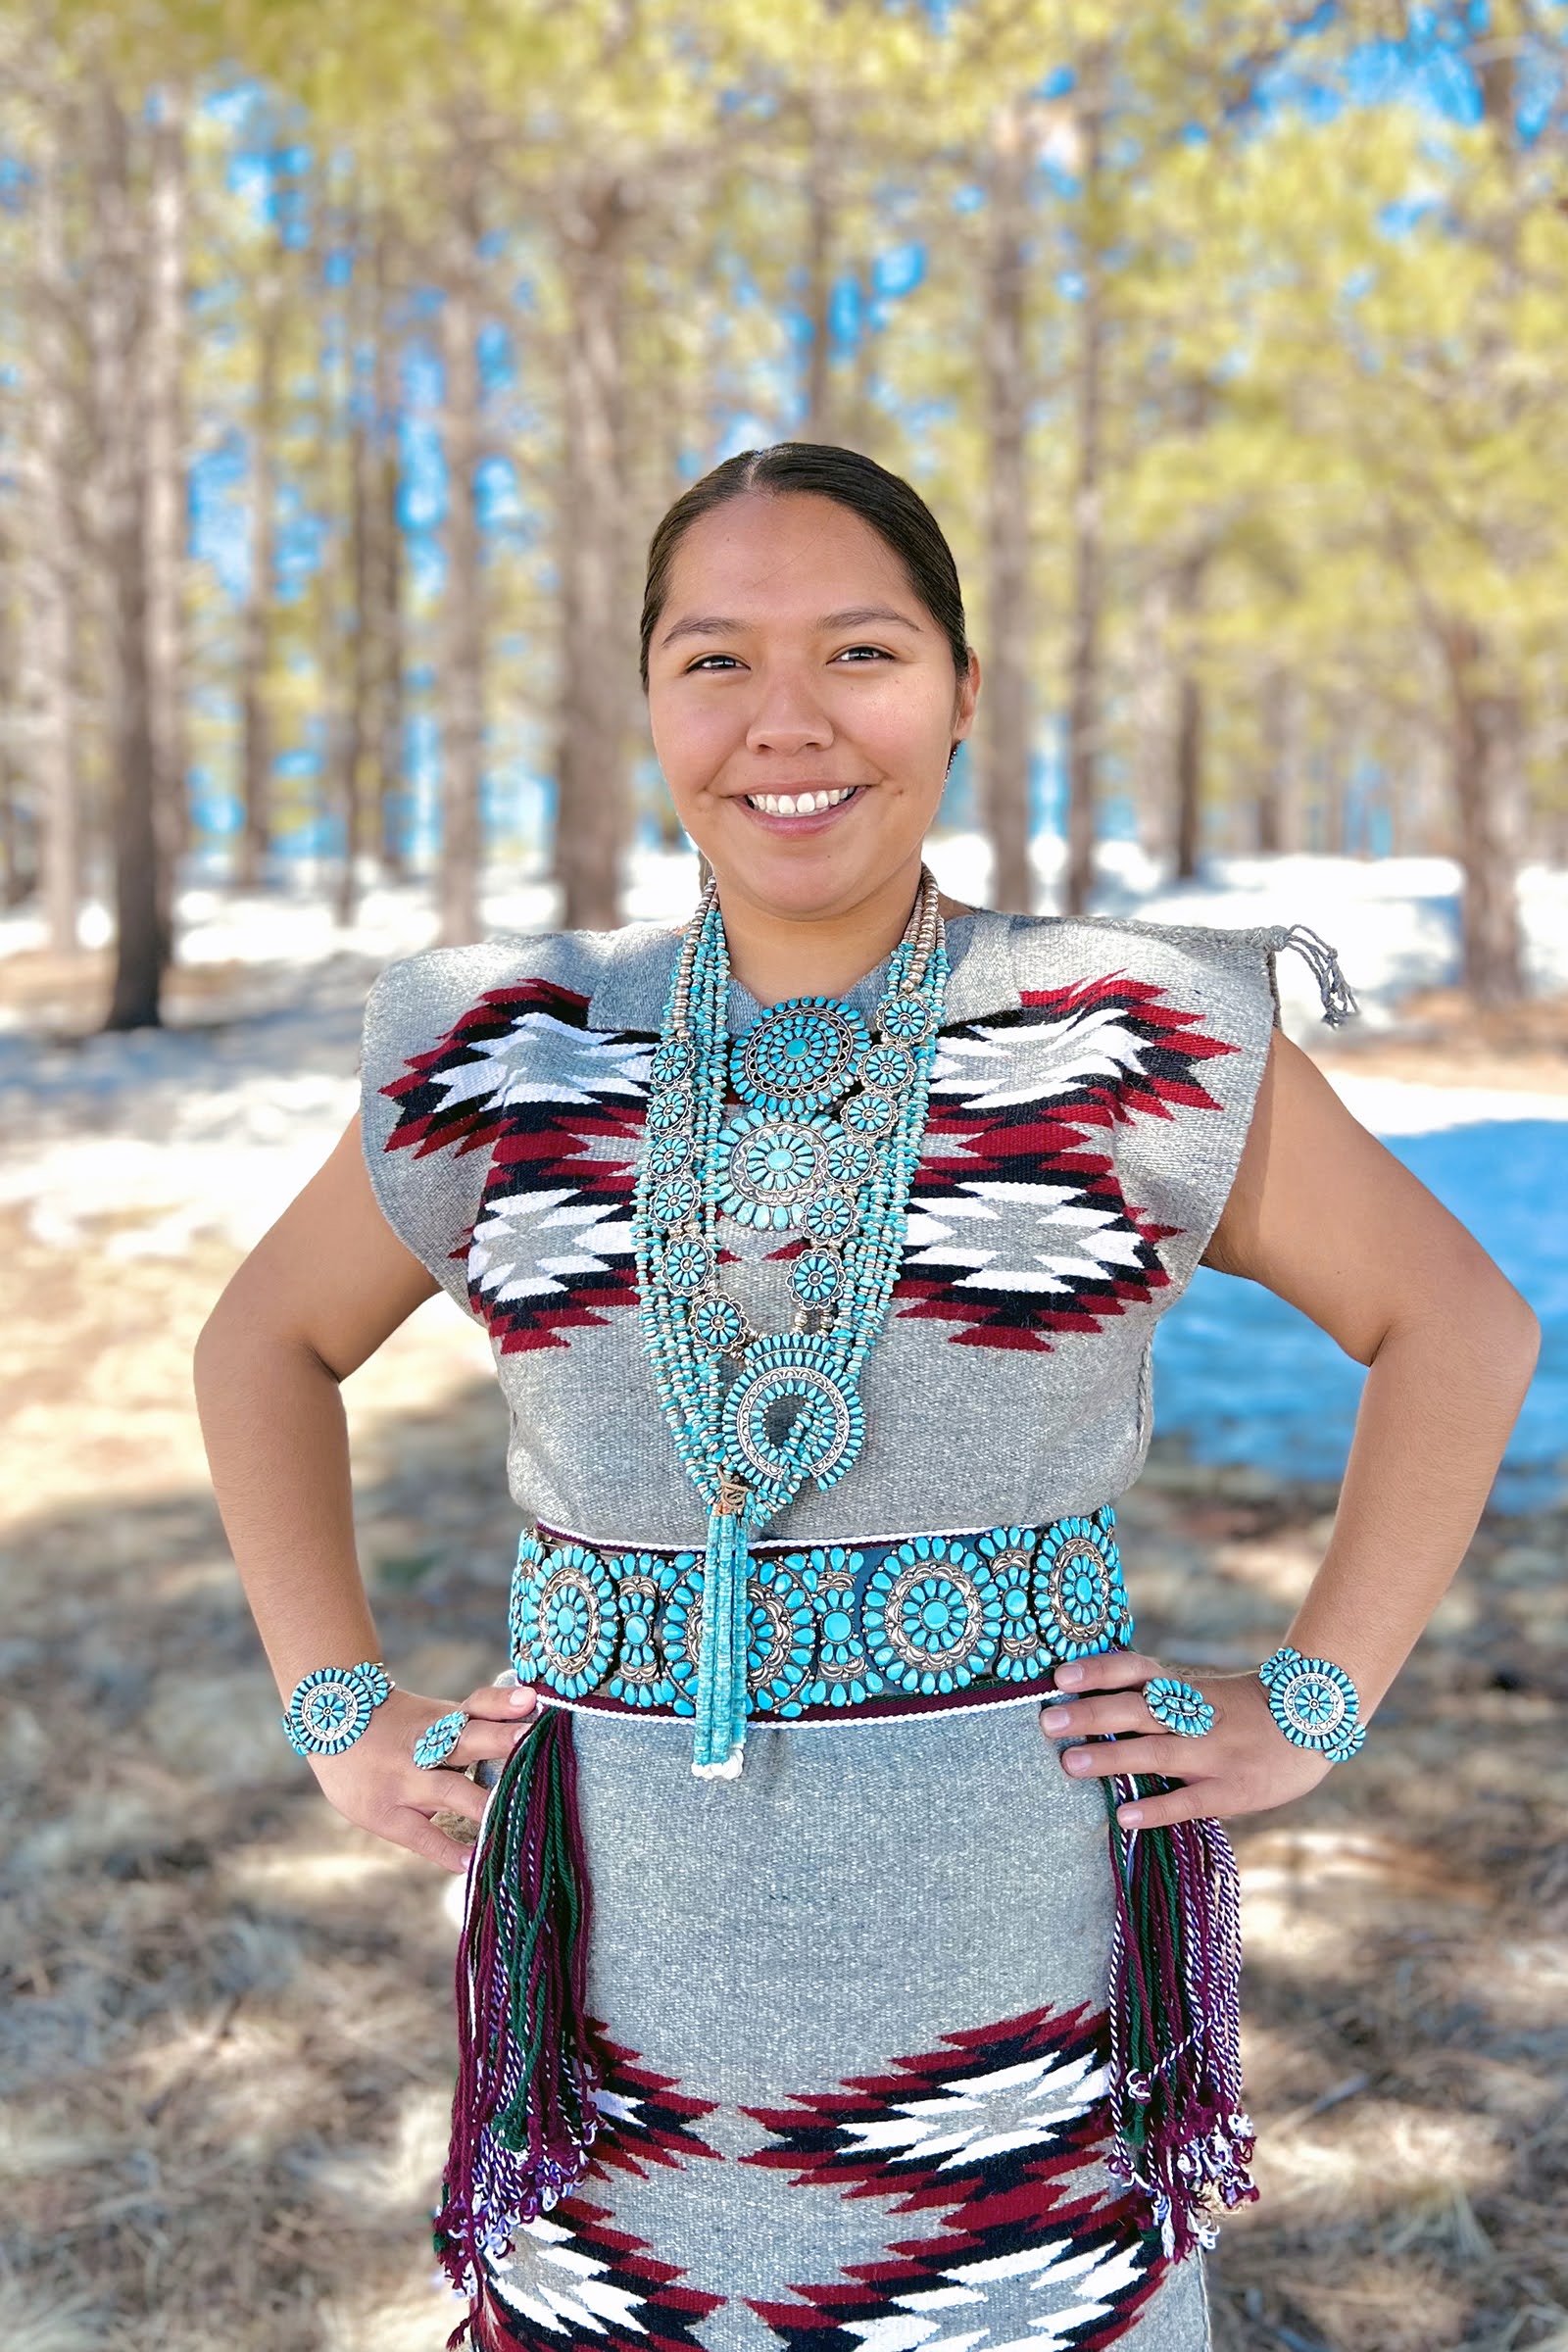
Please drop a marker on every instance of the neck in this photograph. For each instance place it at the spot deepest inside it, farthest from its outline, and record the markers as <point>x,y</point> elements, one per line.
<point>774,956</point>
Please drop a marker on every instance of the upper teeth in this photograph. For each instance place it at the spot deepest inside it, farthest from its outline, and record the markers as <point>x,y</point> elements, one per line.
<point>797,803</point>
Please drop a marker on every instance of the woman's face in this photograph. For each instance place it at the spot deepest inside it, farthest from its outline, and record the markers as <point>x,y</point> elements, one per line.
<point>794,663</point>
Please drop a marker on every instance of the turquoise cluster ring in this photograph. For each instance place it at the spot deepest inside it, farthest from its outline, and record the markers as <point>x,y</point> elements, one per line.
<point>1178,1706</point>
<point>331,1707</point>
<point>437,1740</point>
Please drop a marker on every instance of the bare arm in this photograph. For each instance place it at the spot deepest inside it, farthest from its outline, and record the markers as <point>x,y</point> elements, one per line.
<point>320,1292</point>
<point>1322,1215</point>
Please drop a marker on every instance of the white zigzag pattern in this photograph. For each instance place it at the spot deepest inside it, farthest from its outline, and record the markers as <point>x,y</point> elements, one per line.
<point>504,1239</point>
<point>1034,2301</point>
<point>549,2279</point>
<point>574,1065</point>
<point>1044,1059</point>
<point>1084,1242</point>
<point>984,2115</point>
<point>1038,2298</point>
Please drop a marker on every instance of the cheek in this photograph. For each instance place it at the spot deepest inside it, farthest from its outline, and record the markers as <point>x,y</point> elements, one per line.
<point>691,743</point>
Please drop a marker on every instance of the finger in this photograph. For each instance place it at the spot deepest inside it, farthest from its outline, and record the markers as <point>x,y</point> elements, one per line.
<point>1107,1670</point>
<point>491,1743</point>
<point>1093,1718</point>
<point>448,1792</point>
<point>1162,1812</point>
<point>423,1838</point>
<point>501,1703</point>
<point>1104,1757</point>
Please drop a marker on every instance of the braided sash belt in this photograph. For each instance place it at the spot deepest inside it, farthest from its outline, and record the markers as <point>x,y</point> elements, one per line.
<point>856,1630</point>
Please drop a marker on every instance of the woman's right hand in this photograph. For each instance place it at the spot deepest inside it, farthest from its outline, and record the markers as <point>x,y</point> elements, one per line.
<point>377,1786</point>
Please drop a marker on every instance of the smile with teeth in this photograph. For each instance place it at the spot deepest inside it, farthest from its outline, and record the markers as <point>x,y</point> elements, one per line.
<point>797,803</point>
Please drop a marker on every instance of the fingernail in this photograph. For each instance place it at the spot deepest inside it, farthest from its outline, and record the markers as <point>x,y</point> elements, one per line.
<point>1063,1719</point>
<point>522,1696</point>
<point>1076,1759</point>
<point>1130,1816</point>
<point>1069,1676</point>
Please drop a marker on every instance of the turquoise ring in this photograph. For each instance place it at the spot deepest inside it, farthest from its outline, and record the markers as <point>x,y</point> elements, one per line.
<point>437,1741</point>
<point>1180,1707</point>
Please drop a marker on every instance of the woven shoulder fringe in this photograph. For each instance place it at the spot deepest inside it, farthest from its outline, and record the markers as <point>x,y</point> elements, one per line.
<point>1183,2136</point>
<point>524,2116</point>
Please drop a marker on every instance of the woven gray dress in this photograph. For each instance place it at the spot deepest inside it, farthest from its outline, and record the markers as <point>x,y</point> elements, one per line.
<point>853,2000</point>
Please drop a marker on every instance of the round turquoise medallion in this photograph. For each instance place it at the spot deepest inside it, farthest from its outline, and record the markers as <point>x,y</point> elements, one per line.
<point>770,1165</point>
<point>818,1277</point>
<point>887,1068</point>
<point>717,1323</point>
<point>904,1017</point>
<point>870,1114</point>
<point>829,1217</point>
<point>800,1056</point>
<point>933,1615</point>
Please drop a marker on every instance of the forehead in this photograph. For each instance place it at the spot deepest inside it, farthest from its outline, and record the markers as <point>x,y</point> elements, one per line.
<point>765,558</point>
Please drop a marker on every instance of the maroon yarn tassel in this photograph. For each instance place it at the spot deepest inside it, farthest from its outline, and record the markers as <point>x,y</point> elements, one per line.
<point>524,2115</point>
<point>1184,2137</point>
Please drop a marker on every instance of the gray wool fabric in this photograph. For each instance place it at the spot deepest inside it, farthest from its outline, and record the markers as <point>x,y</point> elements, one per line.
<point>872,1960</point>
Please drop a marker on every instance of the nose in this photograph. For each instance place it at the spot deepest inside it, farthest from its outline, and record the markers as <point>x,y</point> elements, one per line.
<point>788,717</point>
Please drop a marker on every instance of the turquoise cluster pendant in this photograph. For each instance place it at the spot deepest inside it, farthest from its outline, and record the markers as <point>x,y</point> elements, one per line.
<point>823,1147</point>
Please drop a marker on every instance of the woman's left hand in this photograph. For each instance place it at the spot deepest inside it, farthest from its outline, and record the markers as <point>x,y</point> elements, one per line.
<point>1244,1765</point>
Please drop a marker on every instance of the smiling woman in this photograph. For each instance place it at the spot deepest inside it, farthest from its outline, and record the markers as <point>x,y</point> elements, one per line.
<point>821,1243</point>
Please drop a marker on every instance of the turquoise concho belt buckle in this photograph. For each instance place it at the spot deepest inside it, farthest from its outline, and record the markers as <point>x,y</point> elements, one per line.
<point>892,1626</point>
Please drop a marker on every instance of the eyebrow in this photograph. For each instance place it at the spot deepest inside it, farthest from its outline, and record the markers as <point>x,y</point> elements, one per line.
<point>854,616</point>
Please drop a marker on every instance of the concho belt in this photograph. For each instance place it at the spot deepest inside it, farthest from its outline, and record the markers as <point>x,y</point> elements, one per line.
<point>894,1626</point>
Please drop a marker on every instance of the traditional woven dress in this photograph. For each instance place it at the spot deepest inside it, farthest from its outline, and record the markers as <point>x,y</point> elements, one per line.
<point>851,2006</point>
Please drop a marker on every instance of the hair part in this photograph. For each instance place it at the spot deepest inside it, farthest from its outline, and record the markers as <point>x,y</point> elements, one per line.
<point>896,512</point>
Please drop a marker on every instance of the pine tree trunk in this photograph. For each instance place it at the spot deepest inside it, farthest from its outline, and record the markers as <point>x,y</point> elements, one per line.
<point>1276,781</point>
<point>1006,705</point>
<point>1088,562</point>
<point>256,717</point>
<point>48,617</point>
<point>594,808</point>
<point>817,424</point>
<point>354,703</point>
<point>166,499</point>
<point>118,301</point>
<point>1186,761</point>
<point>384,587</point>
<point>461,691</point>
<point>1484,766</point>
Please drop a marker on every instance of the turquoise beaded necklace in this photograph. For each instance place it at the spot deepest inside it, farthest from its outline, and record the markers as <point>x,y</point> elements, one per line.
<point>783,1162</point>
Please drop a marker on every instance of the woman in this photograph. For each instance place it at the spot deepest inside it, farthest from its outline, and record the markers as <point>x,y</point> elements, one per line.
<point>800,2001</point>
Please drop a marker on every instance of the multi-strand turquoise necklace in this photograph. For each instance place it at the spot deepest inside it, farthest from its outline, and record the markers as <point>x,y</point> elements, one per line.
<point>823,1145</point>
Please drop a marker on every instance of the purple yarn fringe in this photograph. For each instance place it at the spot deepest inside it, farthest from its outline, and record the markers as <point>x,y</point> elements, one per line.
<point>523,2114</point>
<point>1184,2136</point>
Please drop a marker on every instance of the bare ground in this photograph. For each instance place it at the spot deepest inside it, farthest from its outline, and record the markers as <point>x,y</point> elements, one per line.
<point>226,2051</point>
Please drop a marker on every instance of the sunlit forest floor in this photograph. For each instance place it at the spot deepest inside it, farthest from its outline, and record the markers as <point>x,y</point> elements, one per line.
<point>225,2046</point>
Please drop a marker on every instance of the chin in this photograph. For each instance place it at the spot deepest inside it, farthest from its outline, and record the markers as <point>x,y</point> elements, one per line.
<point>799,889</point>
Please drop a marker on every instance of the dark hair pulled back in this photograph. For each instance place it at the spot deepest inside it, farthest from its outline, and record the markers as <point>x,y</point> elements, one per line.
<point>898,514</point>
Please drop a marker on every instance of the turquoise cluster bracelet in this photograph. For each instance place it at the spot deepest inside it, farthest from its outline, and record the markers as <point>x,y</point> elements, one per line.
<point>331,1706</point>
<point>1314,1702</point>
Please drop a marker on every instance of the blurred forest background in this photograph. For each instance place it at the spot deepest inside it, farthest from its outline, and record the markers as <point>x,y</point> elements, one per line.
<point>350,355</point>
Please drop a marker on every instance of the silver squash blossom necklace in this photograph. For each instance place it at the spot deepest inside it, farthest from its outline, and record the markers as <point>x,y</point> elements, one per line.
<point>824,1147</point>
